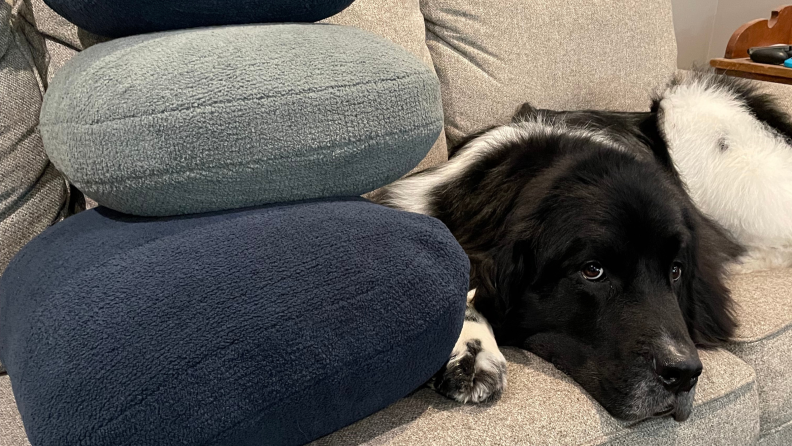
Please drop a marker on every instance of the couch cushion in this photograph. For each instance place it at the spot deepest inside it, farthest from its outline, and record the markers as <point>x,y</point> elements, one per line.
<point>401,22</point>
<point>779,436</point>
<point>543,406</point>
<point>53,40</point>
<point>564,55</point>
<point>203,120</point>
<point>12,433</point>
<point>116,18</point>
<point>270,325</point>
<point>764,341</point>
<point>33,192</point>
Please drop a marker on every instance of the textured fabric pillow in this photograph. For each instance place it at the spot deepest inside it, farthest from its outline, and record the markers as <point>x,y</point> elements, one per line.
<point>117,18</point>
<point>561,55</point>
<point>270,325</point>
<point>212,119</point>
<point>401,22</point>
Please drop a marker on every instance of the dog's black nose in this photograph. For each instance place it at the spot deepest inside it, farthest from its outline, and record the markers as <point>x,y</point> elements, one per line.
<point>679,375</point>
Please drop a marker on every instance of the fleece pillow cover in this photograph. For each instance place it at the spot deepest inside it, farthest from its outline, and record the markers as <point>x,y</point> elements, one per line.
<point>117,18</point>
<point>222,118</point>
<point>272,325</point>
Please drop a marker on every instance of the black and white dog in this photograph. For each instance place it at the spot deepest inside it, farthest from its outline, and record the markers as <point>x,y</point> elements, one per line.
<point>597,240</point>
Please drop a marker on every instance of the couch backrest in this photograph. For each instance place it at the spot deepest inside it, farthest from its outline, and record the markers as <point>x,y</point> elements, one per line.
<point>401,22</point>
<point>491,56</point>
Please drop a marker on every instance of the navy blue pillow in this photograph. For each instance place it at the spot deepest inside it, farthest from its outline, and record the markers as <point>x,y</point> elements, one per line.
<point>272,325</point>
<point>118,18</point>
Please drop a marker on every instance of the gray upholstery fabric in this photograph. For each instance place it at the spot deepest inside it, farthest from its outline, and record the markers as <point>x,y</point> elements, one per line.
<point>222,118</point>
<point>542,406</point>
<point>781,92</point>
<point>764,341</point>
<point>12,433</point>
<point>52,39</point>
<point>401,22</point>
<point>555,54</point>
<point>32,192</point>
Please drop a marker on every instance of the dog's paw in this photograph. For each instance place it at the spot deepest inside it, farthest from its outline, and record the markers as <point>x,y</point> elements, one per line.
<point>473,374</point>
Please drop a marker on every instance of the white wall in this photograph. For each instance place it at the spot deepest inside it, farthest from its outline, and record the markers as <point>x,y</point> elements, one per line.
<point>703,27</point>
<point>693,23</point>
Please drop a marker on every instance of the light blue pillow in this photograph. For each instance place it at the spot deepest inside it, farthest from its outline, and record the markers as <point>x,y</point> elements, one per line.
<point>221,118</point>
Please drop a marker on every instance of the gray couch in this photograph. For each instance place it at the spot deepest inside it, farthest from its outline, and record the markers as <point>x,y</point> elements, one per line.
<point>490,57</point>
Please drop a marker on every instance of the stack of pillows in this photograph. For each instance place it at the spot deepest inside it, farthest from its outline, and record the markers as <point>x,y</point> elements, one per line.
<point>231,289</point>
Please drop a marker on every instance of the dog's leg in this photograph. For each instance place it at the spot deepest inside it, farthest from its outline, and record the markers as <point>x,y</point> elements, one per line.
<point>476,370</point>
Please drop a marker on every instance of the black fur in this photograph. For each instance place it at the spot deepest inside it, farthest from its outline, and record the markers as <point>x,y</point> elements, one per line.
<point>501,206</point>
<point>533,210</point>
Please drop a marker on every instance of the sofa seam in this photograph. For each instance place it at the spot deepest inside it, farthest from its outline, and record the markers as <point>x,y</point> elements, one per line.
<point>755,340</point>
<point>776,429</point>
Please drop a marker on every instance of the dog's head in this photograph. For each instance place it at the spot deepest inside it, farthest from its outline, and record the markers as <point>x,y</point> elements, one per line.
<point>603,266</point>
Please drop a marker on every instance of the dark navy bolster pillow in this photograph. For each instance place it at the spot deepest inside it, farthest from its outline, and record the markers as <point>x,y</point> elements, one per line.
<point>118,18</point>
<point>223,118</point>
<point>272,325</point>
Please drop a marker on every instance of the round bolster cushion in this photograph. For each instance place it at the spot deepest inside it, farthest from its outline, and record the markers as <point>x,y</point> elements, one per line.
<point>272,325</point>
<point>118,18</point>
<point>217,119</point>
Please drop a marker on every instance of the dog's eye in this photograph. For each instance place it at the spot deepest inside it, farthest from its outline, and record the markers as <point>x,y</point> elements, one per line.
<point>592,271</point>
<point>676,272</point>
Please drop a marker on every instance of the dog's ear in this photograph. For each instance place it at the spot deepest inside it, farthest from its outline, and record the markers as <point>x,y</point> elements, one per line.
<point>707,303</point>
<point>499,276</point>
<point>525,112</point>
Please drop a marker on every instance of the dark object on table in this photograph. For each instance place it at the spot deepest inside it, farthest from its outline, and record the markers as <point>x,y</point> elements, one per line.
<point>758,33</point>
<point>775,55</point>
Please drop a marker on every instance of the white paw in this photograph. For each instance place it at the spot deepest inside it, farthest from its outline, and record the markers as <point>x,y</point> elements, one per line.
<point>473,376</point>
<point>476,370</point>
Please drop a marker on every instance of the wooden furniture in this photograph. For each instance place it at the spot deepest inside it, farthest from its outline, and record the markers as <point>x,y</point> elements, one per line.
<point>761,32</point>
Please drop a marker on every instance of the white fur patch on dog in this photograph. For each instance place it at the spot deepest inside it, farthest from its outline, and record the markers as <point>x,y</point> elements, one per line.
<point>737,169</point>
<point>412,194</point>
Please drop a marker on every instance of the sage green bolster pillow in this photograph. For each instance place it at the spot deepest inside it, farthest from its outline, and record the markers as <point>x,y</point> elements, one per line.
<point>222,118</point>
